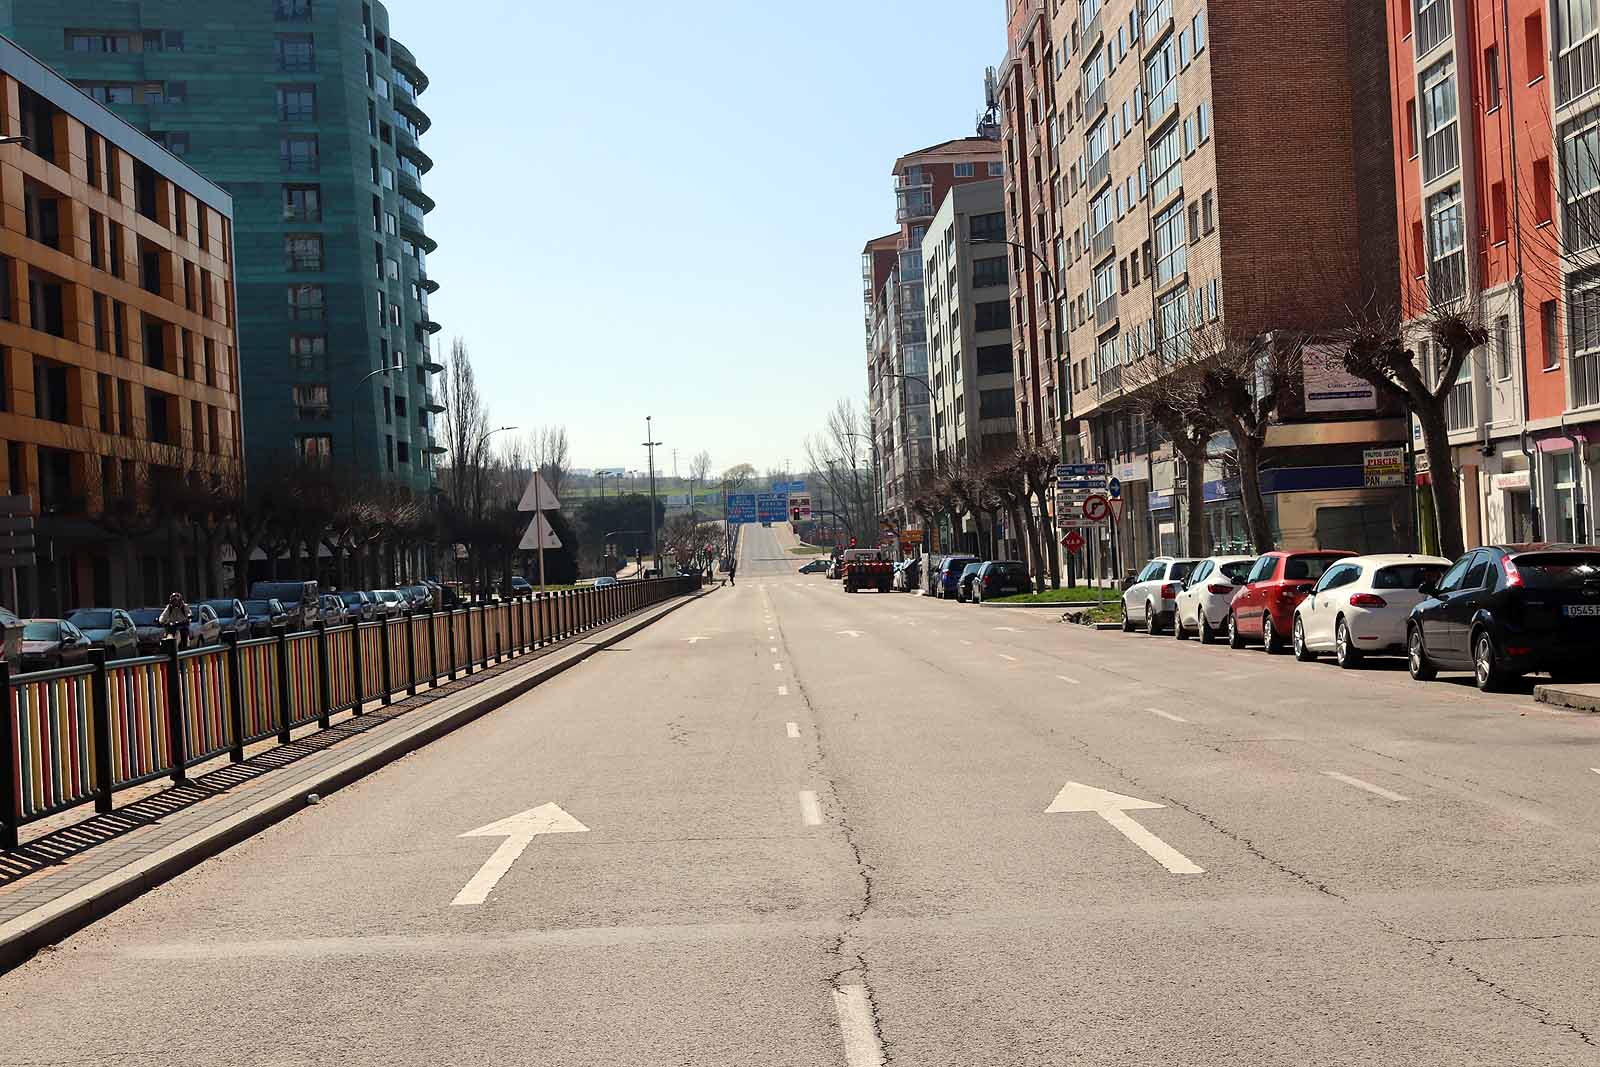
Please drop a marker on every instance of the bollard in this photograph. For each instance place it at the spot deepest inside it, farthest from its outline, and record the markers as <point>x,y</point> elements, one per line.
<point>324,676</point>
<point>282,634</point>
<point>169,649</point>
<point>230,641</point>
<point>100,689</point>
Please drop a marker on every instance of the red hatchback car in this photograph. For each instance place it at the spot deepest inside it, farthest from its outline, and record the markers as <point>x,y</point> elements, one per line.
<point>1263,608</point>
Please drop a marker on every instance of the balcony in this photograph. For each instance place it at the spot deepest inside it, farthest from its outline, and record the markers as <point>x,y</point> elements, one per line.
<point>406,145</point>
<point>401,59</point>
<point>1103,242</point>
<point>910,210</point>
<point>904,182</point>
<point>411,230</point>
<point>1095,102</point>
<point>411,189</point>
<point>408,108</point>
<point>1157,21</point>
<point>1110,383</point>
<point>1099,171</point>
<point>432,407</point>
<point>431,364</point>
<point>431,326</point>
<point>428,284</point>
<point>1105,313</point>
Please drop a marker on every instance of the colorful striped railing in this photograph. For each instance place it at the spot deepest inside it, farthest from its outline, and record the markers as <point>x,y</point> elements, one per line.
<point>75,736</point>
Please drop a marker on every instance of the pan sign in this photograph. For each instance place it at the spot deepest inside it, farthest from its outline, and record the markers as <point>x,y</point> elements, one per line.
<point>1384,467</point>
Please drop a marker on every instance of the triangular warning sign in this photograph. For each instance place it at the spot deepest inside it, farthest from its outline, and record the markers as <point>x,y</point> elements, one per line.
<point>530,539</point>
<point>538,497</point>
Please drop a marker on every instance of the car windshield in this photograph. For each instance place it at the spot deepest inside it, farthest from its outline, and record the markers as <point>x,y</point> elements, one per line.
<point>1408,575</point>
<point>1180,571</point>
<point>147,616</point>
<point>258,607</point>
<point>1237,571</point>
<point>1010,570</point>
<point>90,620</point>
<point>41,631</point>
<point>1307,568</point>
<point>352,598</point>
<point>1558,570</point>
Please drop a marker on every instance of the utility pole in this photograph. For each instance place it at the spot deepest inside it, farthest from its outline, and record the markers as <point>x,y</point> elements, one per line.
<point>651,444</point>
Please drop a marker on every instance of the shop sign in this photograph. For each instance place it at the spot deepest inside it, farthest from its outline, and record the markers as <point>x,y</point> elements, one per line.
<point>1329,387</point>
<point>1510,482</point>
<point>1384,467</point>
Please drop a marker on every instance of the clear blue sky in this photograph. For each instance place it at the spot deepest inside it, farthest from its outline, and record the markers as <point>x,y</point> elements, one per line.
<point>651,209</point>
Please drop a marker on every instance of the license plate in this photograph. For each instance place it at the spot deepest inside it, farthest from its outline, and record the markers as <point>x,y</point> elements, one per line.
<point>1583,610</point>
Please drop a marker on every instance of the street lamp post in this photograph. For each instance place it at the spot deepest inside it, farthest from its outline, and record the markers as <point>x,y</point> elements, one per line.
<point>922,381</point>
<point>355,398</point>
<point>651,444</point>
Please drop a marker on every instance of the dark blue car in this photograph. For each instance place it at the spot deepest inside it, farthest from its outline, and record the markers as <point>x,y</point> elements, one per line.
<point>950,569</point>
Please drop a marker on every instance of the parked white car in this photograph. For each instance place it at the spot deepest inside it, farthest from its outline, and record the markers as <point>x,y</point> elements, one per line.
<point>1360,605</point>
<point>1207,591</point>
<point>1153,597</point>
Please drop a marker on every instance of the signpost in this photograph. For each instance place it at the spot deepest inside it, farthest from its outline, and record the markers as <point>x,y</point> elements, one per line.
<point>538,499</point>
<point>772,507</point>
<point>1073,542</point>
<point>741,508</point>
<point>1096,509</point>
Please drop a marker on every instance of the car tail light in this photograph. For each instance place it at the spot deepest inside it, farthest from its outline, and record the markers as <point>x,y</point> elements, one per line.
<point>1513,576</point>
<point>1368,600</point>
<point>1169,591</point>
<point>1219,589</point>
<point>988,579</point>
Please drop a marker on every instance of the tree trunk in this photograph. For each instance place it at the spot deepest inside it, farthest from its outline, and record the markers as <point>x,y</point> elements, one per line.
<point>1441,464</point>
<point>1052,549</point>
<point>1194,485</point>
<point>1255,510</point>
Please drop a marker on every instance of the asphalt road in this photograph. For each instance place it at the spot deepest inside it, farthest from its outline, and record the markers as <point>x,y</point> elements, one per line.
<point>817,834</point>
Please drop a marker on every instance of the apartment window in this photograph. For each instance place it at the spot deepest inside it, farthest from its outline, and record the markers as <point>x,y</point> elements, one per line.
<point>1194,222</point>
<point>306,302</point>
<point>1441,151</point>
<point>302,251</point>
<point>1566,476</point>
<point>991,315</point>
<point>163,40</point>
<point>1183,49</point>
<point>302,203</point>
<point>1160,82</point>
<point>1202,123</point>
<point>391,223</point>
<point>1122,275</point>
<point>1580,172</point>
<point>299,151</point>
<point>1166,161</point>
<point>989,272</point>
<point>997,170</point>
<point>208,349</point>
<point>966,170</point>
<point>311,403</point>
<point>1447,262</point>
<point>388,405</point>
<point>1097,148</point>
<point>294,52</point>
<point>1198,26</point>
<point>98,43</point>
<point>291,10</point>
<point>119,329</point>
<point>1491,77</point>
<point>1172,258</point>
<point>1502,342</point>
<point>1432,24</point>
<point>1188,135</point>
<point>1533,41</point>
<point>1208,211</point>
<point>1458,414</point>
<point>315,449</point>
<point>1577,33</point>
<point>1585,339</point>
<point>46,298</point>
<point>989,227</point>
<point>1543,191</point>
<point>297,103</point>
<point>41,215</point>
<point>1548,335</point>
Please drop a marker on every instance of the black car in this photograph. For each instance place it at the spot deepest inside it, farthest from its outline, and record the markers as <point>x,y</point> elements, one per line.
<point>964,581</point>
<point>1509,610</point>
<point>234,618</point>
<point>816,566</point>
<point>1000,577</point>
<point>265,615</point>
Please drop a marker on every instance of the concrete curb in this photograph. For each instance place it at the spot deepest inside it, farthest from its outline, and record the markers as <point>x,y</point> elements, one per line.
<point>1060,605</point>
<point>22,937</point>
<point>1580,698</point>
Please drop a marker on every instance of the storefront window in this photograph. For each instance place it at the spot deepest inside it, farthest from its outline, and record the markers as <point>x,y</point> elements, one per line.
<point>1566,526</point>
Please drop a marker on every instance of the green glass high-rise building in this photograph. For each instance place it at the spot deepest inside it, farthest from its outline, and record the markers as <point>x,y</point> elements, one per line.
<point>306,112</point>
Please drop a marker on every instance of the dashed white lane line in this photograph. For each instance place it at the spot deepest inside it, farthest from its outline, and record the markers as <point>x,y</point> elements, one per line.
<point>1069,681</point>
<point>861,1046</point>
<point>783,690</point>
<point>1376,790</point>
<point>773,649</point>
<point>777,666</point>
<point>964,641</point>
<point>793,729</point>
<point>1003,656</point>
<point>810,810</point>
<point>1166,715</point>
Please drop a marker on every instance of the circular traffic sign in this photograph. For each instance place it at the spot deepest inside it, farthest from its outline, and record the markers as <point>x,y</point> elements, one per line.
<point>1114,488</point>
<point>1096,508</point>
<point>1073,541</point>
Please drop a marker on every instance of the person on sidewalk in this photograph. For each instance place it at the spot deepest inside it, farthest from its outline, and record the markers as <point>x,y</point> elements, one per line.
<point>174,619</point>
<point>733,568</point>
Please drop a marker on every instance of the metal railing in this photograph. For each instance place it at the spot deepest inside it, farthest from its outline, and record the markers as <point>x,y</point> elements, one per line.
<point>76,735</point>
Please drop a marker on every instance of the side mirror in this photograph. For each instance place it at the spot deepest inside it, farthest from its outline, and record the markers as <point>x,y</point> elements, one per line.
<point>1428,588</point>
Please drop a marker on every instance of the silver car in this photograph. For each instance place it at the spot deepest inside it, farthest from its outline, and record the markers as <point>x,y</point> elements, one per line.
<point>1152,600</point>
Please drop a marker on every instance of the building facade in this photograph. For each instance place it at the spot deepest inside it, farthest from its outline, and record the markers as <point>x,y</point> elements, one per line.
<point>118,354</point>
<point>1496,120</point>
<point>899,395</point>
<point>1174,220</point>
<point>306,111</point>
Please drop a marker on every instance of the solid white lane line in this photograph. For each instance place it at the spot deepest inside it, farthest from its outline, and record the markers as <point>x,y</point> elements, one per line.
<point>861,1047</point>
<point>783,690</point>
<point>1002,655</point>
<point>810,810</point>
<point>1376,790</point>
<point>793,729</point>
<point>1166,715</point>
<point>1069,681</point>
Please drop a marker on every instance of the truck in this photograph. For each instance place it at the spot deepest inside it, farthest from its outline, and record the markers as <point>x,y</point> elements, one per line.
<point>865,568</point>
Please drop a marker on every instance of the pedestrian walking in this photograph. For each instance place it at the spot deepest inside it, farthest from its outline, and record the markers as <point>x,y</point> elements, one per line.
<point>174,619</point>
<point>733,568</point>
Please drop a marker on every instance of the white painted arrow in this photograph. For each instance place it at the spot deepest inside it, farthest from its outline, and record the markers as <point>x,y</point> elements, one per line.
<point>848,633</point>
<point>1009,629</point>
<point>1114,808</point>
<point>519,831</point>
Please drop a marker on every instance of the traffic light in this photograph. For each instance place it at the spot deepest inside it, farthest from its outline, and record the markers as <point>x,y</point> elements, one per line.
<point>794,514</point>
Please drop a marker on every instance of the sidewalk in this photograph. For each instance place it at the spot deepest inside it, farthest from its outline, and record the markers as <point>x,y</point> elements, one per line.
<point>1577,697</point>
<point>61,880</point>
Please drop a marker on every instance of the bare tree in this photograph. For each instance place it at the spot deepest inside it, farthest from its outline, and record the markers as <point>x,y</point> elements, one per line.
<point>1179,400</point>
<point>551,453</point>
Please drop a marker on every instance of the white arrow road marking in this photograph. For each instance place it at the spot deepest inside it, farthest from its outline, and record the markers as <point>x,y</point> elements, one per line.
<point>1377,790</point>
<point>519,831</point>
<point>793,729</point>
<point>1114,808</point>
<point>1166,715</point>
<point>1069,681</point>
<point>861,1047</point>
<point>848,633</point>
<point>1009,629</point>
<point>696,640</point>
<point>1002,655</point>
<point>810,810</point>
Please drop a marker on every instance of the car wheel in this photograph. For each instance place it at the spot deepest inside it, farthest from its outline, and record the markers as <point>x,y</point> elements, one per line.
<point>1208,636</point>
<point>1178,632</point>
<point>1127,620</point>
<point>1345,652</point>
<point>1418,664</point>
<point>1235,638</point>
<point>1151,625</point>
<point>1269,636</point>
<point>1302,651</point>
<point>1486,669</point>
